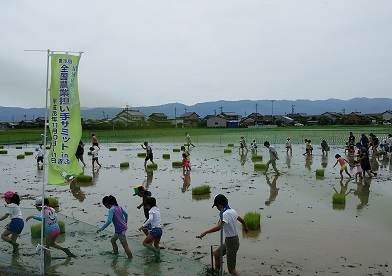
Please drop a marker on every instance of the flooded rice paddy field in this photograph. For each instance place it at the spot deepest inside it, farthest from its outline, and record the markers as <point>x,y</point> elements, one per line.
<point>302,232</point>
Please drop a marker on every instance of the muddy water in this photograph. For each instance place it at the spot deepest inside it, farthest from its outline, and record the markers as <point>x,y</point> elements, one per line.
<point>302,232</point>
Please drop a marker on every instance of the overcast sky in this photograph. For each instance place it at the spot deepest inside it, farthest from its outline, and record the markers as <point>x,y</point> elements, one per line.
<point>144,53</point>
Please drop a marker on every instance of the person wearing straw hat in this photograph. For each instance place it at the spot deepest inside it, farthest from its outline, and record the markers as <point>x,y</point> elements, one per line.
<point>228,222</point>
<point>51,226</point>
<point>15,227</point>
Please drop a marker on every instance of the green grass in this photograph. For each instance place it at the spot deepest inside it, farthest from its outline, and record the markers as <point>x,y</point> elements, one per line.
<point>320,172</point>
<point>141,154</point>
<point>112,149</point>
<point>252,219</point>
<point>201,190</point>
<point>28,153</point>
<point>84,178</point>
<point>334,135</point>
<point>338,198</point>
<point>177,164</point>
<point>176,150</point>
<point>259,167</point>
<point>20,156</point>
<point>227,151</point>
<point>256,158</point>
<point>124,164</point>
<point>3,151</point>
<point>166,156</point>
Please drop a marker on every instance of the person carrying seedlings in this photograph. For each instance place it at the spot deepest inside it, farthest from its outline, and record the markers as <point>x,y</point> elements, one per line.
<point>51,226</point>
<point>343,167</point>
<point>95,150</point>
<point>15,226</point>
<point>228,222</point>
<point>149,155</point>
<point>154,219</point>
<point>119,217</point>
<point>273,157</point>
<point>79,153</point>
<point>145,195</point>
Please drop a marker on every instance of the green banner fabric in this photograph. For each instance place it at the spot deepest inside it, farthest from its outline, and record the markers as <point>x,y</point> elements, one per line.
<point>64,120</point>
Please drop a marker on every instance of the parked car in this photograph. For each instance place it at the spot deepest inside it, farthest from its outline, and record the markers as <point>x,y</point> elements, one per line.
<point>386,123</point>
<point>298,124</point>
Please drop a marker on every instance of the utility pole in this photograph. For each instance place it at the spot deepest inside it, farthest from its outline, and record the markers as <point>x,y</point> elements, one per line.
<point>215,111</point>
<point>292,109</point>
<point>344,111</point>
<point>175,115</point>
<point>221,109</point>
<point>103,112</point>
<point>25,116</point>
<point>272,101</point>
<point>256,105</point>
<point>185,109</point>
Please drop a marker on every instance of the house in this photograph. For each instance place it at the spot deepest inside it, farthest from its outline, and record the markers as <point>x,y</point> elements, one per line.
<point>232,119</point>
<point>336,118</point>
<point>40,121</point>
<point>284,119</point>
<point>256,117</point>
<point>190,119</point>
<point>387,115</point>
<point>357,118</point>
<point>5,125</point>
<point>158,119</point>
<point>216,121</point>
<point>129,117</point>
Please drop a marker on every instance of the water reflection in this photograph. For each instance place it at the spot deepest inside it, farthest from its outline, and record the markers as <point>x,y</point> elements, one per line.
<point>288,161</point>
<point>243,157</point>
<point>120,270</point>
<point>77,192</point>
<point>309,162</point>
<point>362,192</point>
<point>273,189</point>
<point>324,161</point>
<point>149,177</point>
<point>186,177</point>
<point>374,162</point>
<point>52,269</point>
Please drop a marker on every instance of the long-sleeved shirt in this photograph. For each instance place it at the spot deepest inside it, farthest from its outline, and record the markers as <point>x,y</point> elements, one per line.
<point>50,219</point>
<point>119,217</point>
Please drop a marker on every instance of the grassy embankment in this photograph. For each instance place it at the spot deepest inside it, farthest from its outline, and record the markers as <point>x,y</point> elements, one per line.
<point>332,134</point>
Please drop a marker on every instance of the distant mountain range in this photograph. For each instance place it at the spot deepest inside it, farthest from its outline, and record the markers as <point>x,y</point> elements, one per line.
<point>242,107</point>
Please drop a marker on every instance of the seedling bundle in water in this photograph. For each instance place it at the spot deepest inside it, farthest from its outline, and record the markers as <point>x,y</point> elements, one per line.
<point>35,229</point>
<point>124,164</point>
<point>177,164</point>
<point>201,190</point>
<point>319,172</point>
<point>141,154</point>
<point>20,156</point>
<point>252,219</point>
<point>176,150</point>
<point>18,147</point>
<point>339,198</point>
<point>112,149</point>
<point>28,153</point>
<point>152,166</point>
<point>166,156</point>
<point>3,152</point>
<point>84,178</point>
<point>256,158</point>
<point>227,150</point>
<point>259,167</point>
<point>230,145</point>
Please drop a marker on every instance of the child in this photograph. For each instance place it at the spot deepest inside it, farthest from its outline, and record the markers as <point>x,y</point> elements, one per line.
<point>185,163</point>
<point>288,146</point>
<point>94,150</point>
<point>229,223</point>
<point>52,229</point>
<point>15,227</point>
<point>253,146</point>
<point>188,140</point>
<point>154,218</point>
<point>39,157</point>
<point>324,147</point>
<point>79,153</point>
<point>149,155</point>
<point>145,195</point>
<point>359,169</point>
<point>119,217</point>
<point>243,144</point>
<point>343,166</point>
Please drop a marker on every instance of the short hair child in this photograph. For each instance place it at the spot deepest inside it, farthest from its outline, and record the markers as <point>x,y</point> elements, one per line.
<point>154,218</point>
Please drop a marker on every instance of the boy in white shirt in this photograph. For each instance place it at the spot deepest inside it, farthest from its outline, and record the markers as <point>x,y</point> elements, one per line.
<point>229,224</point>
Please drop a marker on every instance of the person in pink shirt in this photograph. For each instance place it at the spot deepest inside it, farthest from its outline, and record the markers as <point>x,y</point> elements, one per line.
<point>343,166</point>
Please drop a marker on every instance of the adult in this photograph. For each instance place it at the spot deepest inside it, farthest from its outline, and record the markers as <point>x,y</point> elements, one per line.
<point>273,157</point>
<point>364,141</point>
<point>364,160</point>
<point>94,140</point>
<point>351,139</point>
<point>149,155</point>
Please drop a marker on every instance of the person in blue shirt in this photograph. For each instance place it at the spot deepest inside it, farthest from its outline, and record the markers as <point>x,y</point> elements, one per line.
<point>119,217</point>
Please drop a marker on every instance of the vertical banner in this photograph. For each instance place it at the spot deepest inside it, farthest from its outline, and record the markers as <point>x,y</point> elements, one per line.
<point>64,120</point>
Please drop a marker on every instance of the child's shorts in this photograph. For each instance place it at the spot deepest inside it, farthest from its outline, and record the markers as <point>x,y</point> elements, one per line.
<point>95,158</point>
<point>16,225</point>
<point>230,247</point>
<point>40,159</point>
<point>156,232</point>
<point>343,168</point>
<point>54,233</point>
